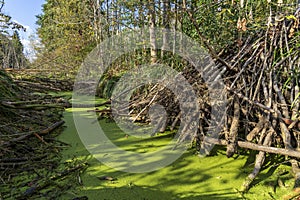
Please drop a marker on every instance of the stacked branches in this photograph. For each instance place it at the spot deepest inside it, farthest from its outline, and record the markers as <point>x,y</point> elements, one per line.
<point>261,74</point>
<point>265,84</point>
<point>30,162</point>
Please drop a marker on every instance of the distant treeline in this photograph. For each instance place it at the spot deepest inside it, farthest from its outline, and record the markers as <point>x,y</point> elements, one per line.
<point>11,48</point>
<point>11,52</point>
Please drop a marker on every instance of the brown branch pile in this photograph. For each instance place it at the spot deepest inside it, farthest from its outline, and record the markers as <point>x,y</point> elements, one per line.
<point>264,92</point>
<point>262,85</point>
<point>30,165</point>
<point>42,80</point>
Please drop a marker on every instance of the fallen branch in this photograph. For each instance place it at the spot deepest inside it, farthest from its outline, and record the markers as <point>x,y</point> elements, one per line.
<point>45,131</point>
<point>249,145</point>
<point>30,106</point>
<point>52,127</point>
<point>101,111</point>
<point>33,85</point>
<point>75,105</point>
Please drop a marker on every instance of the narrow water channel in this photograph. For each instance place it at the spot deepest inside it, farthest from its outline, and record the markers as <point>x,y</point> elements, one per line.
<point>189,177</point>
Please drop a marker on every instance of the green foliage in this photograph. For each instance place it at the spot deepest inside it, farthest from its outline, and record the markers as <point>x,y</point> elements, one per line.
<point>11,52</point>
<point>65,32</point>
<point>106,86</point>
<point>216,22</point>
<point>70,29</point>
<point>7,88</point>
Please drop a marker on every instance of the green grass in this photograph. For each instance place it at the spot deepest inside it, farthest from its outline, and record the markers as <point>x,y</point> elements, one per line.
<point>189,177</point>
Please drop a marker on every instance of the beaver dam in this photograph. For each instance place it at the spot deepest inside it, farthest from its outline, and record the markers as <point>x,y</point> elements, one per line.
<point>238,115</point>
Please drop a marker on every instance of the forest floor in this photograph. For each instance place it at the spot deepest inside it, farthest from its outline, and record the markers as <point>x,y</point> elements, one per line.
<point>190,177</point>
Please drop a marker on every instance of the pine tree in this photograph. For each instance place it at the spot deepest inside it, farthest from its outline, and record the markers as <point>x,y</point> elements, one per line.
<point>11,48</point>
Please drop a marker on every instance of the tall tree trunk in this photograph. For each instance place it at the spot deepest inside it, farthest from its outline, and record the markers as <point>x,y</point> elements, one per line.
<point>181,10</point>
<point>152,17</point>
<point>166,24</point>
<point>97,25</point>
<point>114,15</point>
<point>174,23</point>
<point>107,18</point>
<point>141,24</point>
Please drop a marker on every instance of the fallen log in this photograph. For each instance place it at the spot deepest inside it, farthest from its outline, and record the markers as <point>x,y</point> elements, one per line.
<point>30,106</point>
<point>34,85</point>
<point>52,127</point>
<point>45,131</point>
<point>249,145</point>
<point>79,105</point>
<point>101,111</point>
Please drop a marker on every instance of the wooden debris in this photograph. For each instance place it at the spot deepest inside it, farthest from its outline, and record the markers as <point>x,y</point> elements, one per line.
<point>29,124</point>
<point>107,178</point>
<point>259,77</point>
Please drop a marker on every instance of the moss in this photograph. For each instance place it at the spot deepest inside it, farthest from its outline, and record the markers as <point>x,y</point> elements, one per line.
<point>7,87</point>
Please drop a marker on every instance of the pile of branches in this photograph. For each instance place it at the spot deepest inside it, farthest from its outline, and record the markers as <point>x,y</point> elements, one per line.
<point>263,90</point>
<point>30,161</point>
<point>41,80</point>
<point>262,87</point>
<point>42,85</point>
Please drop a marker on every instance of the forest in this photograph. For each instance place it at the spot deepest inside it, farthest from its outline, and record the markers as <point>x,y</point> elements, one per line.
<point>145,99</point>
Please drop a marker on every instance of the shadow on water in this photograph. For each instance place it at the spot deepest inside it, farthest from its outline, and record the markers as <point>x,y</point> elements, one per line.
<point>144,193</point>
<point>189,177</point>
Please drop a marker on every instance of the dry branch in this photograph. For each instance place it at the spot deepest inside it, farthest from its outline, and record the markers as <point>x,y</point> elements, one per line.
<point>257,147</point>
<point>45,131</point>
<point>233,133</point>
<point>259,161</point>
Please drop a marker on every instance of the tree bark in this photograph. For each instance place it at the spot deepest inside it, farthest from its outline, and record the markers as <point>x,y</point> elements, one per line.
<point>166,25</point>
<point>152,17</point>
<point>233,133</point>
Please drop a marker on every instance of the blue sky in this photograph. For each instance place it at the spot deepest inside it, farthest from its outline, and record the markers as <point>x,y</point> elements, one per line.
<point>24,12</point>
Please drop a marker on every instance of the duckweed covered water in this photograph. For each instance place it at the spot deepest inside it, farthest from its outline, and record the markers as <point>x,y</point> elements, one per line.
<point>190,177</point>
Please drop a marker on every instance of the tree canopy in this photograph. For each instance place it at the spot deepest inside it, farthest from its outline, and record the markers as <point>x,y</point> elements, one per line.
<point>70,29</point>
